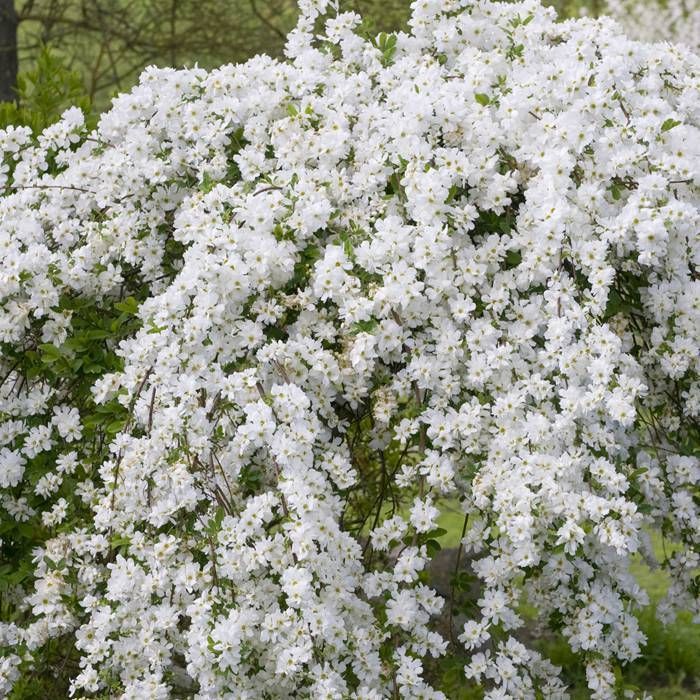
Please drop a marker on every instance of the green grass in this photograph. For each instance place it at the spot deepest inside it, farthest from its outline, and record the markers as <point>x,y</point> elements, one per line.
<point>451,519</point>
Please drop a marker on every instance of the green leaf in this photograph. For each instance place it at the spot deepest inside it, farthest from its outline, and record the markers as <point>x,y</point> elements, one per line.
<point>364,326</point>
<point>109,408</point>
<point>638,472</point>
<point>386,43</point>
<point>24,571</point>
<point>206,187</point>
<point>432,547</point>
<point>483,100</point>
<point>92,420</point>
<point>50,353</point>
<point>156,329</point>
<point>115,426</point>
<point>615,305</point>
<point>127,306</point>
<point>669,124</point>
<point>214,524</point>
<point>437,532</point>
<point>97,334</point>
<point>513,259</point>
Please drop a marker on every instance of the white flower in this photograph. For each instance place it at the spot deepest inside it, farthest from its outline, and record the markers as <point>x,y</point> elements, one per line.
<point>423,515</point>
<point>11,467</point>
<point>67,422</point>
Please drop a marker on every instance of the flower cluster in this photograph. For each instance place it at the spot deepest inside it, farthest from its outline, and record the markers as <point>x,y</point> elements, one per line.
<point>263,320</point>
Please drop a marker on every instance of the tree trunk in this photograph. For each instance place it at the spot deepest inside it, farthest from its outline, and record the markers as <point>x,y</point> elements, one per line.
<point>8,51</point>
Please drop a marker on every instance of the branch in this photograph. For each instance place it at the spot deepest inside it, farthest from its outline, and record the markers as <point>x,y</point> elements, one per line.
<point>266,21</point>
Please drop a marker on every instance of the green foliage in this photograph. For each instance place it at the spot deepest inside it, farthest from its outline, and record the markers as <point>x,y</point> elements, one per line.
<point>44,92</point>
<point>386,43</point>
<point>671,654</point>
<point>87,353</point>
<point>669,124</point>
<point>38,684</point>
<point>453,683</point>
<point>668,668</point>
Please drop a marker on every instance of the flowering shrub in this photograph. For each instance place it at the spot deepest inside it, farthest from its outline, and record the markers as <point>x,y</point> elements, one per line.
<point>261,321</point>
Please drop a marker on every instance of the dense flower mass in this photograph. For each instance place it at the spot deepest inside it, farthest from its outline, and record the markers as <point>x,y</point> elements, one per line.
<point>259,324</point>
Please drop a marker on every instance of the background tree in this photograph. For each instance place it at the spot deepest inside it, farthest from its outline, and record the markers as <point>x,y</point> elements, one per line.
<point>109,42</point>
<point>8,50</point>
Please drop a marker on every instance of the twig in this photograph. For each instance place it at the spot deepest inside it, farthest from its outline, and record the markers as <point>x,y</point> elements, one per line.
<point>51,187</point>
<point>12,369</point>
<point>266,21</point>
<point>266,189</point>
<point>456,571</point>
<point>150,410</point>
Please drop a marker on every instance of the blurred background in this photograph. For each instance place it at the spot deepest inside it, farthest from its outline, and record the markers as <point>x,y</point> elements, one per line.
<point>55,53</point>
